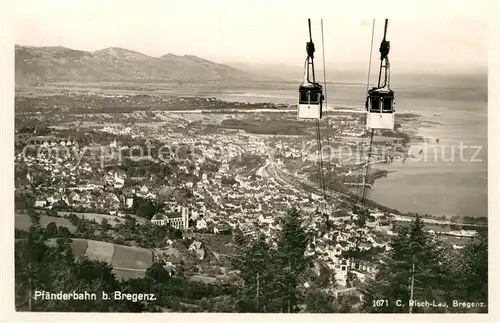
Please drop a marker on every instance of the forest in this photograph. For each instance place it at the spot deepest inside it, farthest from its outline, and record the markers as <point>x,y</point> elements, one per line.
<point>273,276</point>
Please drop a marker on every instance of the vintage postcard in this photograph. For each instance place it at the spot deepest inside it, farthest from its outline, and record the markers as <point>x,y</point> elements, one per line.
<point>248,157</point>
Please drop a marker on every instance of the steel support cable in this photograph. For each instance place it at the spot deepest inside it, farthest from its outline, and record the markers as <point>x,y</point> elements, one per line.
<point>384,51</point>
<point>310,54</point>
<point>363,199</point>
<point>320,157</point>
<point>324,66</point>
<point>326,105</point>
<point>360,188</point>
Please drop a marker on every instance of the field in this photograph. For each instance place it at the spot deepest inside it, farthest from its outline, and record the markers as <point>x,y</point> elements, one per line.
<point>127,262</point>
<point>98,250</point>
<point>23,222</point>
<point>270,127</point>
<point>112,219</point>
<point>79,247</point>
<point>131,257</point>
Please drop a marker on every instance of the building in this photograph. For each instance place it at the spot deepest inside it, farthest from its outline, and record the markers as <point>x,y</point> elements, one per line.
<point>178,219</point>
<point>144,190</point>
<point>119,182</point>
<point>129,201</point>
<point>222,228</point>
<point>159,219</point>
<point>39,140</point>
<point>40,203</point>
<point>363,266</point>
<point>341,272</point>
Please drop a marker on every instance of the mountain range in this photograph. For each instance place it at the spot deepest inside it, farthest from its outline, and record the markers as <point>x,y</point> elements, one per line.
<point>113,64</point>
<point>45,64</point>
<point>117,64</point>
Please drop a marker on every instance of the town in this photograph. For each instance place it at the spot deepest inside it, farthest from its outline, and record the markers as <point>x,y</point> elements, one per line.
<point>206,176</point>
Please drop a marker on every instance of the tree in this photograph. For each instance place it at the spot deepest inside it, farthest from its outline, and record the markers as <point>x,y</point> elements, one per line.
<point>51,230</point>
<point>257,273</point>
<point>317,301</point>
<point>362,213</point>
<point>157,273</point>
<point>416,257</point>
<point>73,219</point>
<point>348,304</point>
<point>175,234</point>
<point>81,226</point>
<point>34,217</point>
<point>105,224</point>
<point>146,210</point>
<point>223,304</point>
<point>130,222</point>
<point>470,272</point>
<point>291,262</point>
<point>63,232</point>
<point>52,213</point>
<point>326,277</point>
<point>40,267</point>
<point>352,280</point>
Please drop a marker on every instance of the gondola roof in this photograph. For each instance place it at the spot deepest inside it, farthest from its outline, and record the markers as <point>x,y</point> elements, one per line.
<point>309,85</point>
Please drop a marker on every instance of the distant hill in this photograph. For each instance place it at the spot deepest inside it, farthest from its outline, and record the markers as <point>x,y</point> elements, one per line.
<point>357,73</point>
<point>295,73</point>
<point>117,64</point>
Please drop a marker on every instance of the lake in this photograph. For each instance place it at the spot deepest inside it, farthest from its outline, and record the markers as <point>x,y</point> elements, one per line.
<point>449,177</point>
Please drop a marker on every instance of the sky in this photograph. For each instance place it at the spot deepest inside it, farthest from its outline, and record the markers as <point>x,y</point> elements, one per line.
<point>424,34</point>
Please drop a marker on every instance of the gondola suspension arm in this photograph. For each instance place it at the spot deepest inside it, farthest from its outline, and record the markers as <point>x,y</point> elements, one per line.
<point>384,49</point>
<point>310,53</point>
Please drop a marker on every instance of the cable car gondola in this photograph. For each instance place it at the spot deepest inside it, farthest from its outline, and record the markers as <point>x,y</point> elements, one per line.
<point>311,97</point>
<point>380,107</point>
<point>380,101</point>
<point>310,101</point>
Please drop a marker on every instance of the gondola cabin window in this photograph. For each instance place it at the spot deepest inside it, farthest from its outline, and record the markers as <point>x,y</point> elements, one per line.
<point>309,96</point>
<point>314,96</point>
<point>388,105</point>
<point>303,97</point>
<point>381,101</point>
<point>375,104</point>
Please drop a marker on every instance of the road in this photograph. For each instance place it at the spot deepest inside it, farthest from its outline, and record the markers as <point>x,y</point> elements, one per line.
<point>284,178</point>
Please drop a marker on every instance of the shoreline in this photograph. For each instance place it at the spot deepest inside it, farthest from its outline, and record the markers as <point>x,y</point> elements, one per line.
<point>247,108</point>
<point>412,170</point>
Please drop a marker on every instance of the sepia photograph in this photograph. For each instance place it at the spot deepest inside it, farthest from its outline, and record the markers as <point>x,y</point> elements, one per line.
<point>229,157</point>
